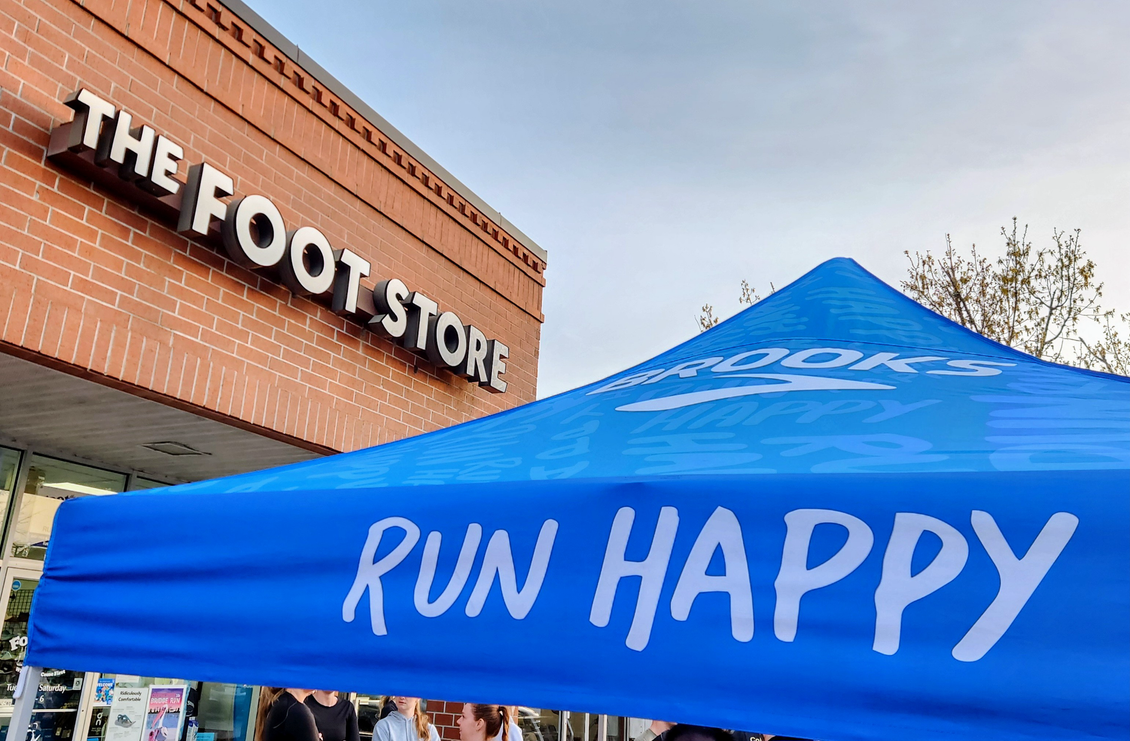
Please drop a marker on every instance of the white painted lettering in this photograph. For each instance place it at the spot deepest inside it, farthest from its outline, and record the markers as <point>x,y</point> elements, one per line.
<point>898,588</point>
<point>892,409</point>
<point>651,571</point>
<point>627,381</point>
<point>370,570</point>
<point>689,369</point>
<point>795,579</point>
<point>801,359</point>
<point>972,368</point>
<point>723,531</point>
<point>1019,577</point>
<point>894,362</point>
<point>499,559</point>
<point>769,355</point>
<point>458,578</point>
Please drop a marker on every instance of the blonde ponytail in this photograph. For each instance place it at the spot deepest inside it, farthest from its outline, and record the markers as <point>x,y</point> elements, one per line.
<point>422,722</point>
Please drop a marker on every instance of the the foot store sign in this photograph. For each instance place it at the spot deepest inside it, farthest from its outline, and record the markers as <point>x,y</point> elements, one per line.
<point>142,165</point>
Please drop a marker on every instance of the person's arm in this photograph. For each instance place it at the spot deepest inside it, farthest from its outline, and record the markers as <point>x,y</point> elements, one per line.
<point>433,734</point>
<point>351,731</point>
<point>300,724</point>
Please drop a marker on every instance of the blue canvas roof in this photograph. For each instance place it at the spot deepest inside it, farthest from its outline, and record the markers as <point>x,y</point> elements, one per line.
<point>837,372</point>
<point>836,515</point>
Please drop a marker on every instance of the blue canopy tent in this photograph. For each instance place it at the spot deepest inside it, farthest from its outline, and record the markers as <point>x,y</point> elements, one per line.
<point>836,515</point>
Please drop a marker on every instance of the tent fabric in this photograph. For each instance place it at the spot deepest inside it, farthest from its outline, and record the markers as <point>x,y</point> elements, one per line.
<point>836,515</point>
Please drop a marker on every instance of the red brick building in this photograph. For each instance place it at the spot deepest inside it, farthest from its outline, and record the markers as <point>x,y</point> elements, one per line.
<point>136,352</point>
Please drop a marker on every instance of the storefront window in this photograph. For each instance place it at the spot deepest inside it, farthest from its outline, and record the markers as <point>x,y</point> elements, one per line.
<point>223,712</point>
<point>582,726</point>
<point>49,483</point>
<point>57,701</point>
<point>539,725</point>
<point>370,709</point>
<point>107,689</point>
<point>140,484</point>
<point>9,467</point>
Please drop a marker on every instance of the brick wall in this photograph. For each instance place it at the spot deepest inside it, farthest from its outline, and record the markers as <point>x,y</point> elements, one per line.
<point>93,285</point>
<point>443,715</point>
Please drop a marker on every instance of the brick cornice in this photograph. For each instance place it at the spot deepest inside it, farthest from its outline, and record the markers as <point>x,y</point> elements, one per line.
<point>284,74</point>
<point>302,85</point>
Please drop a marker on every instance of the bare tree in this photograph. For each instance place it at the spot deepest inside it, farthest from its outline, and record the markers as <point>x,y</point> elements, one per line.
<point>1111,353</point>
<point>749,296</point>
<point>706,319</point>
<point>1036,300</point>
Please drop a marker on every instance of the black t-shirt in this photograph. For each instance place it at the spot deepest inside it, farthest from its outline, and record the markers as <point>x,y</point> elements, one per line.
<point>289,720</point>
<point>338,723</point>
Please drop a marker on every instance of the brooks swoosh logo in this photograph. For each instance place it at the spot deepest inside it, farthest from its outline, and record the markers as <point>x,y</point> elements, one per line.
<point>787,383</point>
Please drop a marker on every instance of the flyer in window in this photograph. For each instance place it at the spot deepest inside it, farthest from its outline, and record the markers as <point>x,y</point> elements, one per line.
<point>127,714</point>
<point>104,691</point>
<point>165,716</point>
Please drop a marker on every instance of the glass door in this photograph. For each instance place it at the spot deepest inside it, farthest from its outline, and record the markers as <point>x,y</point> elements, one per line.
<point>56,709</point>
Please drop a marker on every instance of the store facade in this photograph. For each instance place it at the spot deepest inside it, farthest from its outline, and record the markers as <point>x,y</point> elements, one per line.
<point>214,258</point>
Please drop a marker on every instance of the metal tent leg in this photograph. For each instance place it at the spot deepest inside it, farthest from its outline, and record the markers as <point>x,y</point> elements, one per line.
<point>26,689</point>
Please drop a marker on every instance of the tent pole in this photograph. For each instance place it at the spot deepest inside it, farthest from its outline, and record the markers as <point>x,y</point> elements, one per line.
<point>27,687</point>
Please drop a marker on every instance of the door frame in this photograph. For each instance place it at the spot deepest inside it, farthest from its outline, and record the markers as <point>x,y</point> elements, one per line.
<point>82,713</point>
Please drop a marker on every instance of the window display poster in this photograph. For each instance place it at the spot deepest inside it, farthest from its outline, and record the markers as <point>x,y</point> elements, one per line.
<point>127,714</point>
<point>165,715</point>
<point>104,691</point>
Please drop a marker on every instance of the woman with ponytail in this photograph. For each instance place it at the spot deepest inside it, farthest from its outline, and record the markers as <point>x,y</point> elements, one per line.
<point>483,722</point>
<point>282,716</point>
<point>407,723</point>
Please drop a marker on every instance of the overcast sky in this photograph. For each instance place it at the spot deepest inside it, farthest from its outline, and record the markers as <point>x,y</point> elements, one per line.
<point>662,151</point>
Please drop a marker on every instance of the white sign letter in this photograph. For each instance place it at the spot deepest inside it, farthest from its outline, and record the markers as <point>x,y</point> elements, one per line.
<point>458,578</point>
<point>1019,577</point>
<point>723,531</point>
<point>652,570</point>
<point>499,559</point>
<point>90,112</point>
<point>897,588</point>
<point>370,571</point>
<point>795,579</point>
<point>206,186</point>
